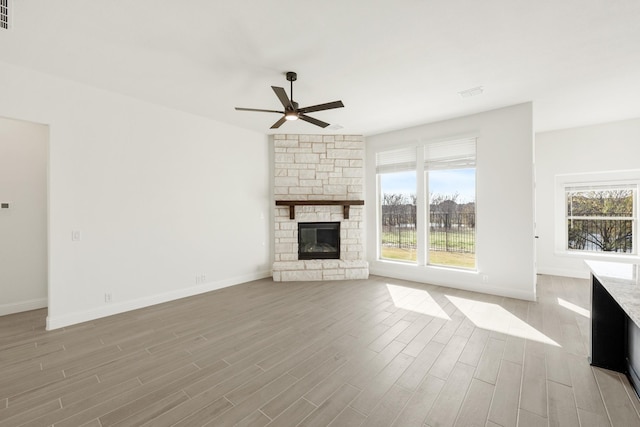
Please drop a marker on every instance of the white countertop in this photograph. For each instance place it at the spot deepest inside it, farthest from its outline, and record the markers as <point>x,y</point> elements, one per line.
<point>622,282</point>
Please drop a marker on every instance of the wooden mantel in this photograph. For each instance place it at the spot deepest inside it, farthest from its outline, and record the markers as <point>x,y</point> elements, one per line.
<point>344,203</point>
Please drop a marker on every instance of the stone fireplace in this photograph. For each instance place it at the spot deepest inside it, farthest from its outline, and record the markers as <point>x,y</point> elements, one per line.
<point>319,191</point>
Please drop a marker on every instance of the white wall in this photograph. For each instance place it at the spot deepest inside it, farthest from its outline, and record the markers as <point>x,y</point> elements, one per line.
<point>505,214</point>
<point>23,226</point>
<point>607,147</point>
<point>159,197</point>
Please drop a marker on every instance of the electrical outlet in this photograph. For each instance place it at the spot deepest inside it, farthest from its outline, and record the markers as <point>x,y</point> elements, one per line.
<point>107,297</point>
<point>200,279</point>
<point>485,278</point>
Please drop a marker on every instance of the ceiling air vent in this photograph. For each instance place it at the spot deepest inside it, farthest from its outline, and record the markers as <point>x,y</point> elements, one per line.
<point>5,16</point>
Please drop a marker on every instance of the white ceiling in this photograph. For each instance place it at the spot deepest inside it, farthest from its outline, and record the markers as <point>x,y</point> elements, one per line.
<point>394,64</point>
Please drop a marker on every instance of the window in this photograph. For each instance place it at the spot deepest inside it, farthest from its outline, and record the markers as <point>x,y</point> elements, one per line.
<point>601,218</point>
<point>451,183</point>
<point>445,211</point>
<point>396,172</point>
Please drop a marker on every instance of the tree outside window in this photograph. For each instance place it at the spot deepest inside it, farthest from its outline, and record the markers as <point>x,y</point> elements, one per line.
<point>601,219</point>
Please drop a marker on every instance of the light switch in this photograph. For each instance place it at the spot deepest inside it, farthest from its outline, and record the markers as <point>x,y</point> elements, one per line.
<point>76,236</point>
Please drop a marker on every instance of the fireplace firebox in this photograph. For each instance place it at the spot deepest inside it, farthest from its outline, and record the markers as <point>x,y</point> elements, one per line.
<point>318,240</point>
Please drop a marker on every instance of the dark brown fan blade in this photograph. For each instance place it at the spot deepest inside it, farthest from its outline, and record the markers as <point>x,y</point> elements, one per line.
<point>257,109</point>
<point>282,96</point>
<point>279,123</point>
<point>320,107</point>
<point>313,121</point>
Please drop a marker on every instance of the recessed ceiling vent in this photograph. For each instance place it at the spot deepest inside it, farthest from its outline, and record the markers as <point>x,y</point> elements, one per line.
<point>474,91</point>
<point>5,16</point>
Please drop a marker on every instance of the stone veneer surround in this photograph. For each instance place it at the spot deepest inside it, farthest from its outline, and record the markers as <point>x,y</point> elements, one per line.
<point>319,167</point>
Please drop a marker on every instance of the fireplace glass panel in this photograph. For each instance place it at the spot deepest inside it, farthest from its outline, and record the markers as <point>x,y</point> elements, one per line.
<point>318,240</point>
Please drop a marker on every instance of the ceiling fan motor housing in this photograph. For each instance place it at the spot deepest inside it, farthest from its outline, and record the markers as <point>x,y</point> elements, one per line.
<point>291,76</point>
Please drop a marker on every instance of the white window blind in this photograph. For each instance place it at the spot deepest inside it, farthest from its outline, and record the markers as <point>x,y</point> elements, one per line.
<point>457,154</point>
<point>586,188</point>
<point>396,160</point>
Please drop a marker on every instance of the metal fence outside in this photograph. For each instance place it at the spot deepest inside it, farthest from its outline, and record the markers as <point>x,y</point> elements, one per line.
<point>451,232</point>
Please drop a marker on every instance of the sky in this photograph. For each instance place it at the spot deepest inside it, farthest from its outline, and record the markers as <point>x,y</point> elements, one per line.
<point>445,182</point>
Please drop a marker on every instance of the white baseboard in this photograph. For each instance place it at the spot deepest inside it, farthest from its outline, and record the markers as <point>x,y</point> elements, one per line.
<point>60,321</point>
<point>467,286</point>
<point>576,274</point>
<point>19,307</point>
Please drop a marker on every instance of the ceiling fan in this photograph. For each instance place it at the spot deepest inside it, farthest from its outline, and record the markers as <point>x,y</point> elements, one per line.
<point>291,110</point>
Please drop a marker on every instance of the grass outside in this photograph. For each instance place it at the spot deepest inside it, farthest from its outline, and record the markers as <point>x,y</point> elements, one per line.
<point>452,240</point>
<point>449,259</point>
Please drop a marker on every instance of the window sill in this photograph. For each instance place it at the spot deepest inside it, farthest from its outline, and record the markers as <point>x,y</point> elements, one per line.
<point>428,266</point>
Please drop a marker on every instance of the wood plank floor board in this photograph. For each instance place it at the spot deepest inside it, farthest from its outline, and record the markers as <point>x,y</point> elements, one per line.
<point>529,419</point>
<point>388,408</point>
<point>333,381</point>
<point>331,408</point>
<point>447,406</point>
<point>254,401</point>
<point>365,352</point>
<point>558,361</point>
<point>291,394</point>
<point>489,363</point>
<point>202,405</point>
<point>362,377</point>
<point>633,396</point>
<point>295,413</point>
<point>85,403</point>
<point>585,387</point>
<point>504,406</point>
<point>475,407</point>
<point>11,419</point>
<point>255,419</point>
<point>383,340</point>
<point>378,386</point>
<point>448,357</point>
<point>417,323</point>
<point>204,414</point>
<point>533,397</point>
<point>417,371</point>
<point>592,419</point>
<point>562,407</point>
<point>420,404</point>
<point>348,418</point>
<point>416,345</point>
<point>616,400</point>
<point>151,411</point>
<point>474,347</point>
<point>58,390</point>
<point>514,349</point>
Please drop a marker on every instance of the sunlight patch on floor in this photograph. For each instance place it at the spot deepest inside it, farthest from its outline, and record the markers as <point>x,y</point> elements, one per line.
<point>495,318</point>
<point>575,308</point>
<point>416,300</point>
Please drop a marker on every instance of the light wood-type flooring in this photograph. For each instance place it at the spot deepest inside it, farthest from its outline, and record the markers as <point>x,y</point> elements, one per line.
<point>377,352</point>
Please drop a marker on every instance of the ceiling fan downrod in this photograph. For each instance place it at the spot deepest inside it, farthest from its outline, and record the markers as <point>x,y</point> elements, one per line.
<point>291,77</point>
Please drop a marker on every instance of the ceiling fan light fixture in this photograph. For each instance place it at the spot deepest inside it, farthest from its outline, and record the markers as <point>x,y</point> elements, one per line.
<point>291,115</point>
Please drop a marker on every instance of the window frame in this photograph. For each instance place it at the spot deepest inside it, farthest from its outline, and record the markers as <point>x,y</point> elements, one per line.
<point>423,199</point>
<point>387,169</point>
<point>610,179</point>
<point>595,187</point>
